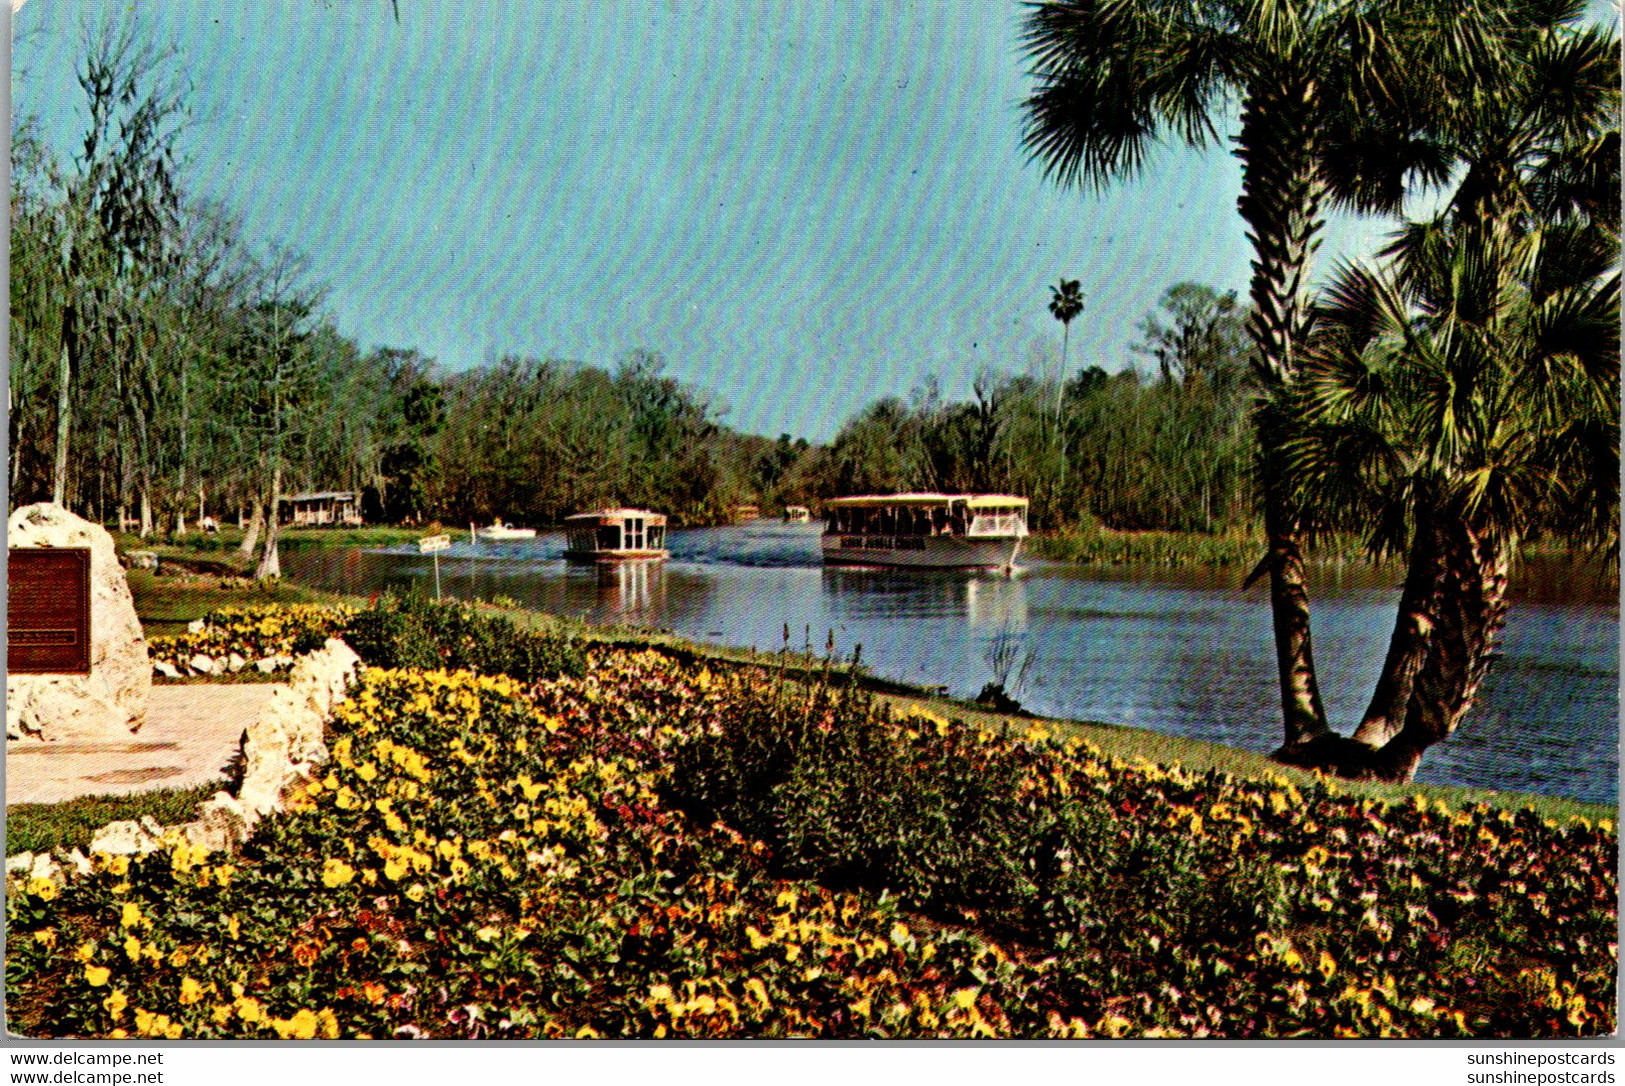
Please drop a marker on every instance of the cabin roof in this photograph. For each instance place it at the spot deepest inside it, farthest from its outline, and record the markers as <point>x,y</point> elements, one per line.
<point>974,501</point>
<point>321,495</point>
<point>603,515</point>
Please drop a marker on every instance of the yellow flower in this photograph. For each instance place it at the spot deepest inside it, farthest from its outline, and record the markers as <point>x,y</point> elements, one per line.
<point>97,975</point>
<point>327,1024</point>
<point>132,947</point>
<point>116,1003</point>
<point>249,1010</point>
<point>302,1026</point>
<point>44,889</point>
<point>336,873</point>
<point>191,991</point>
<point>131,915</point>
<point>46,938</point>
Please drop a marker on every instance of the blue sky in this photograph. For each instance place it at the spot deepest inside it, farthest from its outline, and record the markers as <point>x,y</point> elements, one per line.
<point>800,206</point>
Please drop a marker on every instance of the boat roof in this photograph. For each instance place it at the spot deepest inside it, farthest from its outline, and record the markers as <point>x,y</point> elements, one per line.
<point>618,514</point>
<point>974,501</point>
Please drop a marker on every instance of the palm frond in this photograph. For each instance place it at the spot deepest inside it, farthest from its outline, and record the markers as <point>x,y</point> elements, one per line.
<point>1110,76</point>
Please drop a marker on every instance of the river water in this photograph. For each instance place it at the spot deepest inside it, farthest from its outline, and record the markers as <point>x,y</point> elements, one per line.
<point>1183,652</point>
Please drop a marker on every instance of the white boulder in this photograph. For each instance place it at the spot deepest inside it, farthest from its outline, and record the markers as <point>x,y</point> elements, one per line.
<point>128,838</point>
<point>111,701</point>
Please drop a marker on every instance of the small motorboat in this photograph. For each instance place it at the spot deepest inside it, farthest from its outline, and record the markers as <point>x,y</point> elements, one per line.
<point>499,532</point>
<point>797,514</point>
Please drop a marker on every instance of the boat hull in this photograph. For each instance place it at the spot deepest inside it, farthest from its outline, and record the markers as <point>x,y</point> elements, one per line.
<point>499,535</point>
<point>930,552</point>
<point>615,556</point>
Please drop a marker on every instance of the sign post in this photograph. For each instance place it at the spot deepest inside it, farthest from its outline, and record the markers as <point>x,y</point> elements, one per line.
<point>434,544</point>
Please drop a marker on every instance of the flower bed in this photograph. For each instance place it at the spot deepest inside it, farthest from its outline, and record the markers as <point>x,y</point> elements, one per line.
<point>274,633</point>
<point>482,859</point>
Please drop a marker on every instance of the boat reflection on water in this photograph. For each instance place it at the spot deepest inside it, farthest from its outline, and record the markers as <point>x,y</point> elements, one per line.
<point>626,591</point>
<point>997,604</point>
<point>990,601</point>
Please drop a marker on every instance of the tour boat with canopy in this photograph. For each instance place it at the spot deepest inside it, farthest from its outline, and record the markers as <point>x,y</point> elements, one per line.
<point>613,535</point>
<point>925,531</point>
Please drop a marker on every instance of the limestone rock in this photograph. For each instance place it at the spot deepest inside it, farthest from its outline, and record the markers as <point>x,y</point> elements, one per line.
<point>111,701</point>
<point>286,740</point>
<point>235,662</point>
<point>203,664</point>
<point>142,560</point>
<point>127,838</point>
<point>266,665</point>
<point>195,626</point>
<point>46,868</point>
<point>20,864</point>
<point>223,823</point>
<point>78,862</point>
<point>163,667</point>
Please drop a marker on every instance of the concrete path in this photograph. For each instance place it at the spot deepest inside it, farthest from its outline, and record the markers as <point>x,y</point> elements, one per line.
<point>190,734</point>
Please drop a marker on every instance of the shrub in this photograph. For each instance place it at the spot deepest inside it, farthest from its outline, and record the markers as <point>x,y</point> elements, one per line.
<point>416,633</point>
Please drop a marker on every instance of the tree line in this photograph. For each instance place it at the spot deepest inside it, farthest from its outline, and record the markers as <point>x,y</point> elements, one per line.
<point>165,367</point>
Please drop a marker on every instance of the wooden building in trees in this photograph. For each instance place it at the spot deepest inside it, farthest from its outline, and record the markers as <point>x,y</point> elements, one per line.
<point>329,507</point>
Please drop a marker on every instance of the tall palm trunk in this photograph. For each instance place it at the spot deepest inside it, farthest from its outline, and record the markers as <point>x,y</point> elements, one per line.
<point>1408,644</point>
<point>1469,616</point>
<point>1281,197</point>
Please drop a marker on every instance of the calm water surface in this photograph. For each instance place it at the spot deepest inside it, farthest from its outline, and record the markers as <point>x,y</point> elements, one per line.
<point>1183,652</point>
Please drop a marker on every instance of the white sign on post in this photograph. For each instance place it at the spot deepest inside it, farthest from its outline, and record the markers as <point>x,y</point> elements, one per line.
<point>434,544</point>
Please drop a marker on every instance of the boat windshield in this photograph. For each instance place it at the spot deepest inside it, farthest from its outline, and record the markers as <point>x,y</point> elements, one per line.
<point>898,520</point>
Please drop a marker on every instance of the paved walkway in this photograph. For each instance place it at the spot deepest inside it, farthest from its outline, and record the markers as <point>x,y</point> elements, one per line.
<point>190,734</point>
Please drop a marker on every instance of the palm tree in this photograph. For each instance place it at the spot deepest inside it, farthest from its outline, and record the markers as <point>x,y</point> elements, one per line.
<point>1336,97</point>
<point>1469,391</point>
<point>1065,303</point>
<point>1456,400</point>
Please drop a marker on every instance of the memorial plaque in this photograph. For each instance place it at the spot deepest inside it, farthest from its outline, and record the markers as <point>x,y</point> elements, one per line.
<point>48,611</point>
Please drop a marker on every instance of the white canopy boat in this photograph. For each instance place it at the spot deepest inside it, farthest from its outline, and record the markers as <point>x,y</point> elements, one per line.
<point>925,531</point>
<point>614,535</point>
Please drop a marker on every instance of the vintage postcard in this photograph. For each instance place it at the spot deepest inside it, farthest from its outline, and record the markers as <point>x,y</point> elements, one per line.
<point>1067,521</point>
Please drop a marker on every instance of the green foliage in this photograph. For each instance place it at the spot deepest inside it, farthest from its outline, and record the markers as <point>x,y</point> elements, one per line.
<point>413,632</point>
<point>40,827</point>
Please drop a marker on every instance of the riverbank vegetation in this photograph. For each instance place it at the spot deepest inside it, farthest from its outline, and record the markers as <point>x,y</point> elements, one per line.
<point>664,849</point>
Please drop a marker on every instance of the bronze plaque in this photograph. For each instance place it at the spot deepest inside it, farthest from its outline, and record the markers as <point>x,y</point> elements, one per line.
<point>48,611</point>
